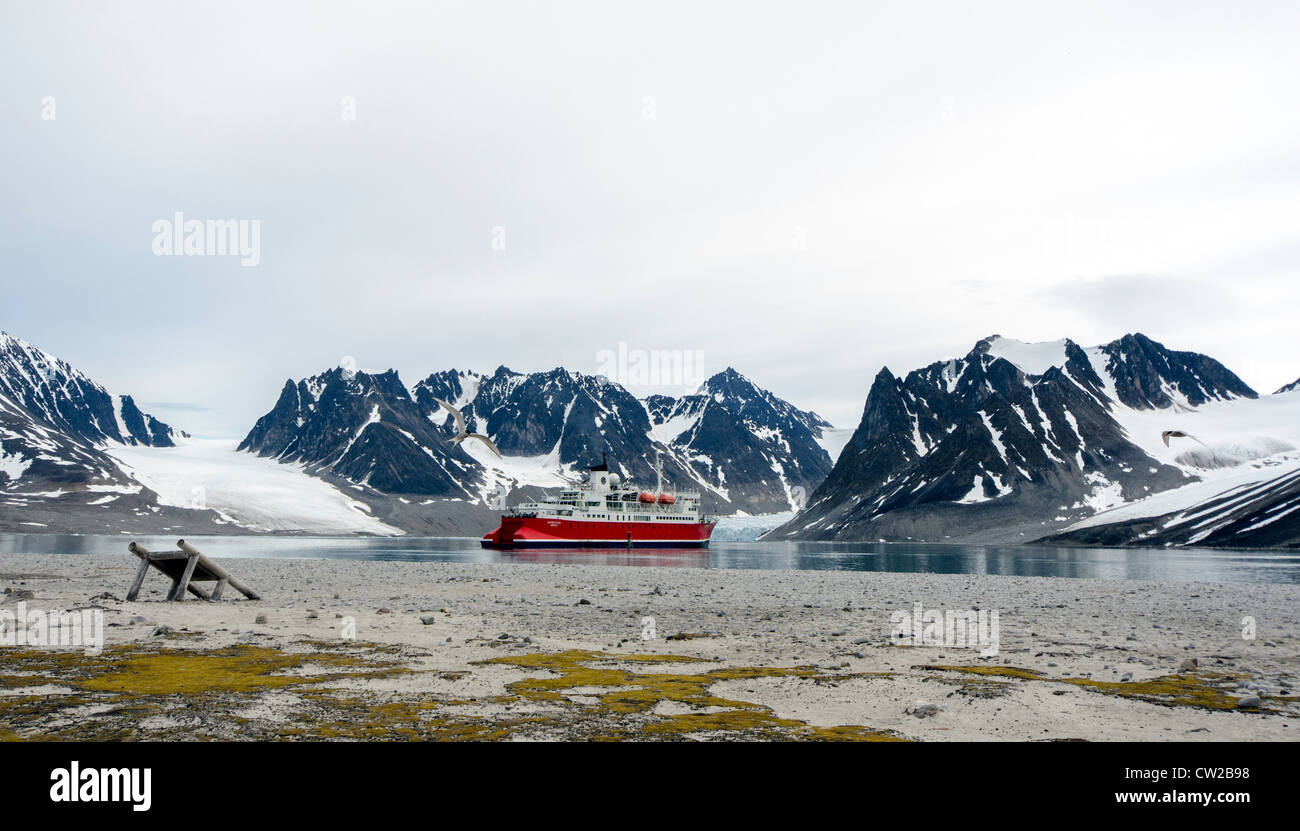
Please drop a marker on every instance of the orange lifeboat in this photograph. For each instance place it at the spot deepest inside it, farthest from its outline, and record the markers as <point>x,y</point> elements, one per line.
<point>666,499</point>
<point>647,497</point>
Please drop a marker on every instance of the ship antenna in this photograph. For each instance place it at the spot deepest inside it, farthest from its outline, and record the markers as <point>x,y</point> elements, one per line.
<point>659,473</point>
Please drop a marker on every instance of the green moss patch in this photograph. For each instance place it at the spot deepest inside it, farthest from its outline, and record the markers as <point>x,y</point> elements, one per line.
<point>629,698</point>
<point>157,690</point>
<point>1207,690</point>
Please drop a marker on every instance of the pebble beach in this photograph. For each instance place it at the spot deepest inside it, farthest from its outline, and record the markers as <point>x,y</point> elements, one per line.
<point>366,650</point>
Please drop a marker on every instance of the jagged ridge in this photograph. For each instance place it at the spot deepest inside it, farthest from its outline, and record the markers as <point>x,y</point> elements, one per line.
<point>978,448</point>
<point>746,448</point>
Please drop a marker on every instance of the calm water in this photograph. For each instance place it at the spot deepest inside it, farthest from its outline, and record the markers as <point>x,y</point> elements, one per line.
<point>1107,563</point>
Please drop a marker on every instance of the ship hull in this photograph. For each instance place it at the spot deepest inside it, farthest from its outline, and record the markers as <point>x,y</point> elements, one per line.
<point>543,532</point>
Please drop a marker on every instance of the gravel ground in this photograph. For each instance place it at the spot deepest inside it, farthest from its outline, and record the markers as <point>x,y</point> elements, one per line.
<point>470,651</point>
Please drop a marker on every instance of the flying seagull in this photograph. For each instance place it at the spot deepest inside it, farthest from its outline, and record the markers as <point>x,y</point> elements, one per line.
<point>461,434</point>
<point>1179,434</point>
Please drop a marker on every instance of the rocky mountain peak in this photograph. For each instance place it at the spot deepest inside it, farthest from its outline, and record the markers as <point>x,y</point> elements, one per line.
<point>1005,434</point>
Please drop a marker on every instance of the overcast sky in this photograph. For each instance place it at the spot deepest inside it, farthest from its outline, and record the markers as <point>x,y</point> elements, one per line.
<point>804,191</point>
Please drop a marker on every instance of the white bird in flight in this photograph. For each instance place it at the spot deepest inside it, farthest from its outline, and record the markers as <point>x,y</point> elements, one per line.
<point>1179,434</point>
<point>461,433</point>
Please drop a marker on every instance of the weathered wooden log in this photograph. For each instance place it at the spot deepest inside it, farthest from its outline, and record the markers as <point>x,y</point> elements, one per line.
<point>183,582</point>
<point>221,573</point>
<point>143,553</point>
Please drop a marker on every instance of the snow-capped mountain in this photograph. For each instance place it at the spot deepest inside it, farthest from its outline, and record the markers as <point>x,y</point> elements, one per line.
<point>58,431</point>
<point>1257,507</point>
<point>74,458</point>
<point>742,443</point>
<point>560,421</point>
<point>1243,455</point>
<point>1291,387</point>
<point>1128,443</point>
<point>743,447</point>
<point>56,425</point>
<point>1014,441</point>
<point>364,428</point>
<point>52,392</point>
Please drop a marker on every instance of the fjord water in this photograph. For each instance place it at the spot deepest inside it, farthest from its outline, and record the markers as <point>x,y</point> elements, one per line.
<point>1183,564</point>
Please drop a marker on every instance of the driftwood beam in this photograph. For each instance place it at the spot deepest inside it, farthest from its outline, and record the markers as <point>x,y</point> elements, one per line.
<point>191,551</point>
<point>244,590</point>
<point>143,554</point>
<point>183,582</point>
<point>217,570</point>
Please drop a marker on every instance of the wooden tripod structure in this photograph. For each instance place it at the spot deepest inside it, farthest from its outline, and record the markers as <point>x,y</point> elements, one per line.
<point>185,566</point>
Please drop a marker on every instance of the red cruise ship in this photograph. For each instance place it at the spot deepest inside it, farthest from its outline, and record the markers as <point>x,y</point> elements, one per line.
<point>606,512</point>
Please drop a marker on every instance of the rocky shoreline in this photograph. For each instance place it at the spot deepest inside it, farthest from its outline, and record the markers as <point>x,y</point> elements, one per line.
<point>340,649</point>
